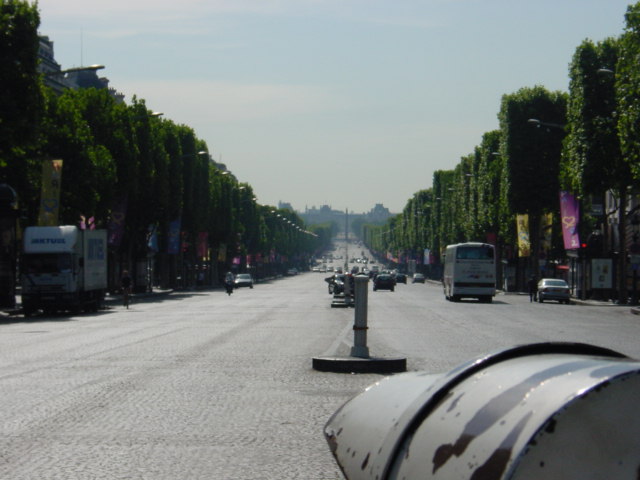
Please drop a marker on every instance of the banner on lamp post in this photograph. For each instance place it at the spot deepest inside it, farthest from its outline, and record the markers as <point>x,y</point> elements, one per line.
<point>570,216</point>
<point>203,244</point>
<point>174,240</point>
<point>115,229</point>
<point>50,193</point>
<point>222,253</point>
<point>524,244</point>
<point>546,224</point>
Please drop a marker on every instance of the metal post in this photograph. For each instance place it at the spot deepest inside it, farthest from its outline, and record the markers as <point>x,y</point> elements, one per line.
<point>360,348</point>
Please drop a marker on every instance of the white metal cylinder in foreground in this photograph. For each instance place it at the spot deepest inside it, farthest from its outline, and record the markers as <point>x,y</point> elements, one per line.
<point>552,411</point>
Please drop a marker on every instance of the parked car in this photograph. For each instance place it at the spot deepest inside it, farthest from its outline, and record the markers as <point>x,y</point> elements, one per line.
<point>243,280</point>
<point>553,289</point>
<point>418,278</point>
<point>384,281</point>
<point>401,278</point>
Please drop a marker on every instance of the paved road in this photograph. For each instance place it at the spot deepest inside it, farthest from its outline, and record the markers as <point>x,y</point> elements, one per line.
<point>201,385</point>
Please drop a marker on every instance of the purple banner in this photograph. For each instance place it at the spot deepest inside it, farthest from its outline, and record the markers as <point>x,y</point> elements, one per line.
<point>570,216</point>
<point>173,244</point>
<point>116,223</point>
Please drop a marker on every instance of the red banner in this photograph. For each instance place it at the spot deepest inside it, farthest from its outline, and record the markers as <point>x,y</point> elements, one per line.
<point>203,244</point>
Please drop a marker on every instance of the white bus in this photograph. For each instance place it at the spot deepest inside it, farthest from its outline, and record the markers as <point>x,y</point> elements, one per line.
<point>470,272</point>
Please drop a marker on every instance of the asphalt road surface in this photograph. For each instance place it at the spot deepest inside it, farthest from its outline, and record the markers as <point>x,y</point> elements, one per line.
<point>200,385</point>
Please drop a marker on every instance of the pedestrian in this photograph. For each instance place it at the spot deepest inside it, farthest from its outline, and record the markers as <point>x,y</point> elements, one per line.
<point>125,283</point>
<point>533,289</point>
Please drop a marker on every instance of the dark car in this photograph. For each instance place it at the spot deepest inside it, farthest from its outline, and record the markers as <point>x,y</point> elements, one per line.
<point>243,280</point>
<point>384,281</point>
<point>553,289</point>
<point>401,278</point>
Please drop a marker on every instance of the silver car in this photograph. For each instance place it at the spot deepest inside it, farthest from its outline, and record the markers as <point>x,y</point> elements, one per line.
<point>553,289</point>
<point>243,280</point>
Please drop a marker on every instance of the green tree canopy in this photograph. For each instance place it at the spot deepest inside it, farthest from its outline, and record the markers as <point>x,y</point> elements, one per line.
<point>21,99</point>
<point>592,160</point>
<point>532,155</point>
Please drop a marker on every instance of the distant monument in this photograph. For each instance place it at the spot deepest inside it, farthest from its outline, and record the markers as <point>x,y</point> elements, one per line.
<point>325,214</point>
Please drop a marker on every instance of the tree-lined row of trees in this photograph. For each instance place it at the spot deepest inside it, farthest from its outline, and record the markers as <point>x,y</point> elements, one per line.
<point>586,141</point>
<point>122,158</point>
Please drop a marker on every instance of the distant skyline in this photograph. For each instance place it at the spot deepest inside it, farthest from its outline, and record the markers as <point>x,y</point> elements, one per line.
<point>346,103</point>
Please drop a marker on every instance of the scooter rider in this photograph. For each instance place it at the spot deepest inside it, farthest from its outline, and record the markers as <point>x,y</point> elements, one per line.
<point>228,282</point>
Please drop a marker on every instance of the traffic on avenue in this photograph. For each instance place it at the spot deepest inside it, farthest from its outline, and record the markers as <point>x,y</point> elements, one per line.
<point>198,384</point>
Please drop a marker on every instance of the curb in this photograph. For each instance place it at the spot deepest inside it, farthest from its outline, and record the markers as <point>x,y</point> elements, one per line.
<point>111,299</point>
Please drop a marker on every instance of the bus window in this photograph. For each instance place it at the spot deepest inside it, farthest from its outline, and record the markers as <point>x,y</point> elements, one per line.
<point>474,253</point>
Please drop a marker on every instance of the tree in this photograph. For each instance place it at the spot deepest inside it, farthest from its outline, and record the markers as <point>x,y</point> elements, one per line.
<point>592,160</point>
<point>21,98</point>
<point>488,182</point>
<point>627,85</point>
<point>88,171</point>
<point>628,90</point>
<point>532,155</point>
<point>442,228</point>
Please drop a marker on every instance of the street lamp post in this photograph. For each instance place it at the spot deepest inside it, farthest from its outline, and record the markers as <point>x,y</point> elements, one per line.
<point>535,224</point>
<point>539,123</point>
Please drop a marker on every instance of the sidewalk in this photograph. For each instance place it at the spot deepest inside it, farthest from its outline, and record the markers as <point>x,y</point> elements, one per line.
<point>574,300</point>
<point>117,298</point>
<point>587,303</point>
<point>109,300</point>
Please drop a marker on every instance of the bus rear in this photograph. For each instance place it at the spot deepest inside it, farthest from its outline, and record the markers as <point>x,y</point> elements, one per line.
<point>470,272</point>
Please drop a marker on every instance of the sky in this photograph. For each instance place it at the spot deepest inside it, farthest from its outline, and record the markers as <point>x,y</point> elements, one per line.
<point>346,103</point>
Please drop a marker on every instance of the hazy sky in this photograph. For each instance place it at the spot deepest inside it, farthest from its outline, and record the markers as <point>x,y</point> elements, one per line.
<point>346,103</point>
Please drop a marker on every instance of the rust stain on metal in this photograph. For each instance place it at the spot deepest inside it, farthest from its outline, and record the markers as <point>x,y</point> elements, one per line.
<point>454,404</point>
<point>496,464</point>
<point>333,444</point>
<point>365,462</point>
<point>496,408</point>
<point>551,426</point>
<point>445,452</point>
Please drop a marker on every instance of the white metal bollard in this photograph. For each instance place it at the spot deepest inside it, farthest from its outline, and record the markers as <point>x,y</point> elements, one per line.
<point>360,348</point>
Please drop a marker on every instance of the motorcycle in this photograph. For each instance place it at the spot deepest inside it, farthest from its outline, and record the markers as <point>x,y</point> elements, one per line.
<point>229,288</point>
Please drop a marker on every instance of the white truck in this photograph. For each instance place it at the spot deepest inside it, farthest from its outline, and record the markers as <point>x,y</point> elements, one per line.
<point>63,268</point>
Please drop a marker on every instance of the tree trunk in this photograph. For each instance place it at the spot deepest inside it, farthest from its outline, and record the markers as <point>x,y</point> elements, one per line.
<point>622,257</point>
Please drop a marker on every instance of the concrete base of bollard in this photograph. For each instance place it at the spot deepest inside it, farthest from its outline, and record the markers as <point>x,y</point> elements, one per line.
<point>360,365</point>
<point>341,301</point>
<point>338,304</point>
